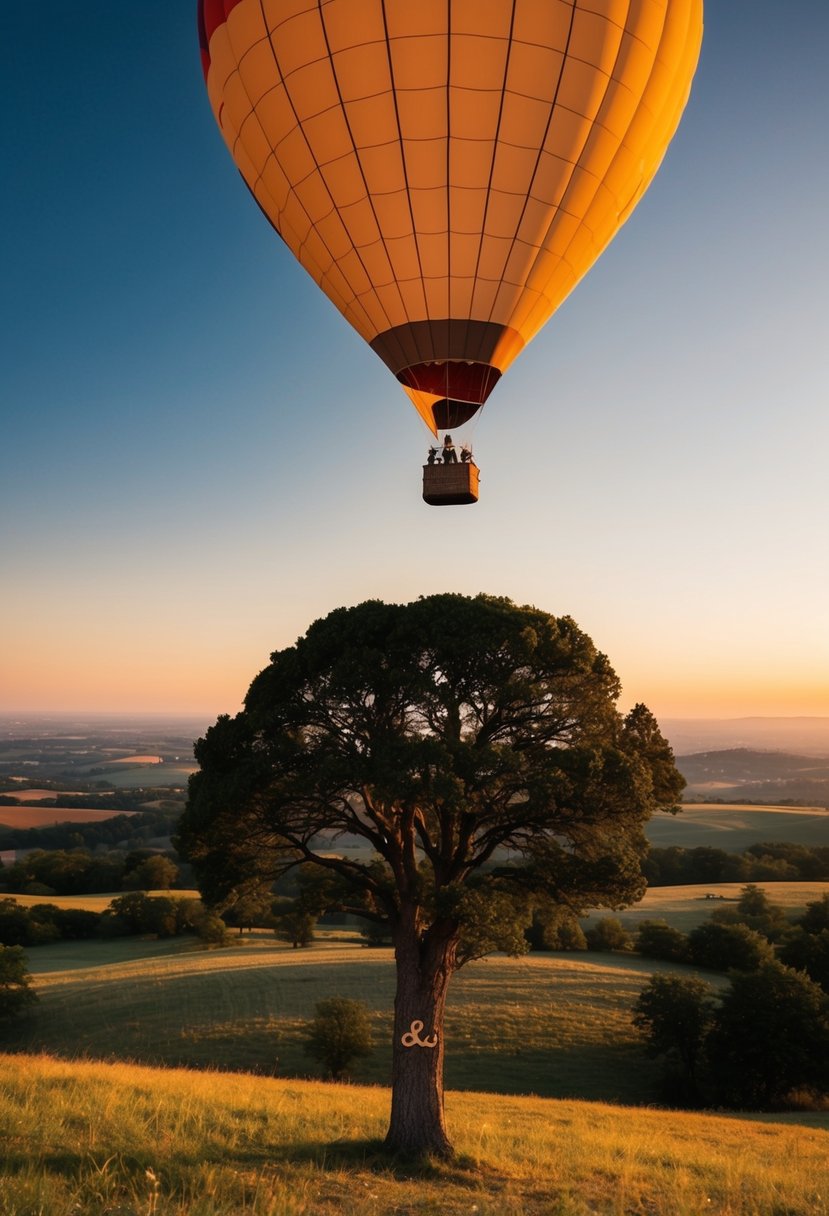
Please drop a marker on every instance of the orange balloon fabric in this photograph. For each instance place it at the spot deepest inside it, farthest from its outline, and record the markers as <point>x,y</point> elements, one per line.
<point>448,170</point>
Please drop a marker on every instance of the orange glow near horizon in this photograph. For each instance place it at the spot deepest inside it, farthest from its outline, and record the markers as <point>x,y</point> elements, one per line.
<point>179,680</point>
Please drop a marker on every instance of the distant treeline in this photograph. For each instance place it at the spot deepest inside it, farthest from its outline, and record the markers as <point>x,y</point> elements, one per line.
<point>122,801</point>
<point>127,915</point>
<point>79,872</point>
<point>127,831</point>
<point>771,861</point>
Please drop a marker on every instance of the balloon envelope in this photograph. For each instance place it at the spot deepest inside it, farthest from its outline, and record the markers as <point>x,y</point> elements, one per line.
<point>447,170</point>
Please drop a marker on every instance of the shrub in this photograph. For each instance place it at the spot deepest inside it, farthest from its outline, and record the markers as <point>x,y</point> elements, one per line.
<point>212,930</point>
<point>658,939</point>
<point>771,1036</point>
<point>339,1034</point>
<point>16,996</point>
<point>295,925</point>
<point>808,952</point>
<point>675,1013</point>
<point>608,933</point>
<point>755,910</point>
<point>726,947</point>
<point>816,917</point>
<point>555,929</point>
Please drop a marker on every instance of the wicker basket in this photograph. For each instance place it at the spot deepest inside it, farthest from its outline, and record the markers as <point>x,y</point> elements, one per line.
<point>450,485</point>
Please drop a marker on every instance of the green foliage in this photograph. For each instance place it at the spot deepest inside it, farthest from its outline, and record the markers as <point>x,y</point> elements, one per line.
<point>150,914</point>
<point>16,995</point>
<point>771,1037</point>
<point>459,725</point>
<point>755,910</point>
<point>816,917</point>
<point>658,939</point>
<point>212,930</point>
<point>249,907</point>
<point>122,830</point>
<point>768,862</point>
<point>339,1034</point>
<point>63,873</point>
<point>153,873</point>
<point>675,1013</point>
<point>608,933</point>
<point>554,927</point>
<point>294,924</point>
<point>808,952</point>
<point>725,947</point>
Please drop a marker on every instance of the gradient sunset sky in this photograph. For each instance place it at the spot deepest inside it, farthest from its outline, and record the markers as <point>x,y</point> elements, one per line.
<point>199,456</point>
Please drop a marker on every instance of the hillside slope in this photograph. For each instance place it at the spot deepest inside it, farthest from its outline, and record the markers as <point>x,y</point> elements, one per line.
<point>92,1138</point>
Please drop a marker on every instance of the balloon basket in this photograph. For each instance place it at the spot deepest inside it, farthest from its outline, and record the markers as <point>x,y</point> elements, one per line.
<point>450,485</point>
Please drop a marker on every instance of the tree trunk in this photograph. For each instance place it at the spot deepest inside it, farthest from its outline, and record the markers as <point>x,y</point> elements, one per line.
<point>417,1122</point>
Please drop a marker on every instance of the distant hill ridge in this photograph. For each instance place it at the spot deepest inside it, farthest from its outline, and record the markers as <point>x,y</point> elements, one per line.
<point>758,775</point>
<point>805,736</point>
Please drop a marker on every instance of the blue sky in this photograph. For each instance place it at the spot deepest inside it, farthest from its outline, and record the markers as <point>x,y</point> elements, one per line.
<point>200,457</point>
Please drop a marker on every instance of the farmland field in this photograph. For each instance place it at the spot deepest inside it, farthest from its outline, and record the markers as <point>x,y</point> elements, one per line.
<point>46,816</point>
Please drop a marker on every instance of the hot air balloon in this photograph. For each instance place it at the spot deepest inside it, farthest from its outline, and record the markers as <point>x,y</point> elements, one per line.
<point>448,170</point>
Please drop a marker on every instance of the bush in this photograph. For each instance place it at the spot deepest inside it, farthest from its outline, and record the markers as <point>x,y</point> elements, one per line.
<point>755,910</point>
<point>816,917</point>
<point>675,1013</point>
<point>771,1037</point>
<point>16,996</point>
<point>339,1034</point>
<point>212,930</point>
<point>808,952</point>
<point>608,933</point>
<point>295,925</point>
<point>658,939</point>
<point>726,947</point>
<point>555,929</point>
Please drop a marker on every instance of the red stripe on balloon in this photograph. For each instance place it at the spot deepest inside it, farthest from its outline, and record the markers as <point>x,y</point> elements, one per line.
<point>212,14</point>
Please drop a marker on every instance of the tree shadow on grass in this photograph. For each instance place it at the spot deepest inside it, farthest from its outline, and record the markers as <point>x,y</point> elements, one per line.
<point>348,1156</point>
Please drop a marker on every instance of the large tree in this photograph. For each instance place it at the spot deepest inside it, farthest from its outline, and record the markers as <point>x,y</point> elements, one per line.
<point>476,747</point>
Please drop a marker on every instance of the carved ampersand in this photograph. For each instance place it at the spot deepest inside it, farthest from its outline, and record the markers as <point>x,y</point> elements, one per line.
<point>412,1037</point>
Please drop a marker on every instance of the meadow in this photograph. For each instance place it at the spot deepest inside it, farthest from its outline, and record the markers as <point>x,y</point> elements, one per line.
<point>553,1025</point>
<point>133,1141</point>
<point>736,826</point>
<point>549,1025</point>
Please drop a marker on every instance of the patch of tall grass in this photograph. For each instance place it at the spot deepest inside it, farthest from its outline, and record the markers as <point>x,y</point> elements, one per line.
<point>125,1140</point>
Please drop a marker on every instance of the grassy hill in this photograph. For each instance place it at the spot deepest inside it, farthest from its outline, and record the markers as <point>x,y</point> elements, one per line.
<point>550,1025</point>
<point>131,1141</point>
<point>735,826</point>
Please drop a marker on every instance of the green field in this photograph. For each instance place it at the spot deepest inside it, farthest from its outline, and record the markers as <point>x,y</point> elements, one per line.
<point>129,1141</point>
<point>553,1025</point>
<point>550,1025</point>
<point>735,827</point>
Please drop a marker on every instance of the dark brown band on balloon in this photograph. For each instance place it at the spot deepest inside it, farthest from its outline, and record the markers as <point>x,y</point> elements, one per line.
<point>456,379</point>
<point>449,414</point>
<point>448,338</point>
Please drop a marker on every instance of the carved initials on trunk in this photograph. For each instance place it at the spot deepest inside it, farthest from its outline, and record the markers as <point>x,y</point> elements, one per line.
<point>412,1037</point>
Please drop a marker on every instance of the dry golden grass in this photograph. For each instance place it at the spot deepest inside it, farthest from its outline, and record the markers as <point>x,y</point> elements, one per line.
<point>46,816</point>
<point>40,795</point>
<point>132,1141</point>
<point>137,760</point>
<point>685,907</point>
